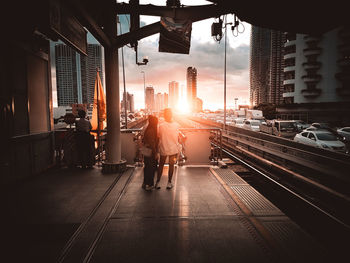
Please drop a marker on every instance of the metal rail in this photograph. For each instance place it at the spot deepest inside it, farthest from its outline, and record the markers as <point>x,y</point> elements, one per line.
<point>285,188</point>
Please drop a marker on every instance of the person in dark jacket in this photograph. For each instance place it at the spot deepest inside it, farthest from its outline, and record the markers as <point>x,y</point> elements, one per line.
<point>83,127</point>
<point>150,140</point>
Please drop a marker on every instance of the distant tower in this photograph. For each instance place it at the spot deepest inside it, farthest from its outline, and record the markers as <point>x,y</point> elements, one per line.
<point>76,74</point>
<point>150,99</point>
<point>260,43</point>
<point>166,100</point>
<point>129,100</point>
<point>191,87</point>
<point>173,94</point>
<point>266,66</point>
<point>66,75</point>
<point>89,64</point>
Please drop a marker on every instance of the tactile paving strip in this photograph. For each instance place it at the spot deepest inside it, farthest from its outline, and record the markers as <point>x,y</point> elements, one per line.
<point>257,203</point>
<point>229,177</point>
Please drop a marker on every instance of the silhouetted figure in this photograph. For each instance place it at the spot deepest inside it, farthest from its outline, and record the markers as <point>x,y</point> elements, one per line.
<point>168,146</point>
<point>150,140</point>
<point>84,127</point>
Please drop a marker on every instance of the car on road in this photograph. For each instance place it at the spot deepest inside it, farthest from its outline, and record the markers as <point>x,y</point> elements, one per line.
<point>238,122</point>
<point>319,126</point>
<point>281,128</point>
<point>301,125</point>
<point>345,132</point>
<point>321,139</point>
<point>253,125</point>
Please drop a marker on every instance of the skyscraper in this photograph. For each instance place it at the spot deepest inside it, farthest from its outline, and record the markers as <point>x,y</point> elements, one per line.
<point>276,76</point>
<point>191,87</point>
<point>89,64</point>
<point>166,100</point>
<point>158,102</point>
<point>66,75</point>
<point>150,99</point>
<point>266,66</point>
<point>130,104</point>
<point>173,94</point>
<point>316,79</point>
<point>76,74</point>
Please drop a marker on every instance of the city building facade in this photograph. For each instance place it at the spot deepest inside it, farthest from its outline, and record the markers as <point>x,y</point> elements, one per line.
<point>191,78</point>
<point>266,66</point>
<point>150,107</point>
<point>76,74</point>
<point>317,77</point>
<point>173,94</point>
<point>129,100</point>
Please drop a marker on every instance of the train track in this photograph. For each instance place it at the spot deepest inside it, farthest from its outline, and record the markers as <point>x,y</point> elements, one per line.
<point>319,210</point>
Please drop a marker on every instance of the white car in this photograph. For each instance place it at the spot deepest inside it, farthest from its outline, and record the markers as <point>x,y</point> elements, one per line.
<point>239,122</point>
<point>253,125</point>
<point>321,139</point>
<point>345,132</point>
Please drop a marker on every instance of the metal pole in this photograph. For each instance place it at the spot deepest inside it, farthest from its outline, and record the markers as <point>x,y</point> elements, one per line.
<point>225,76</point>
<point>144,88</point>
<point>125,97</point>
<point>98,119</point>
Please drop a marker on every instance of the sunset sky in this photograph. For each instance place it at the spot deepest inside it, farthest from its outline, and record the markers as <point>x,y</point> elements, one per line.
<point>206,54</point>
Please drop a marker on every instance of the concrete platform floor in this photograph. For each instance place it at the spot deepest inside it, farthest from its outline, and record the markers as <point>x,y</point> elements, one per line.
<point>115,220</point>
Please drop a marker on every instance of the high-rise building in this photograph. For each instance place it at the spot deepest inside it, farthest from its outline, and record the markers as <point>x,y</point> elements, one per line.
<point>199,105</point>
<point>276,76</point>
<point>316,79</point>
<point>76,74</point>
<point>173,94</point>
<point>150,99</point>
<point>166,100</point>
<point>130,105</point>
<point>191,87</point>
<point>158,102</point>
<point>89,65</point>
<point>67,74</point>
<point>266,66</point>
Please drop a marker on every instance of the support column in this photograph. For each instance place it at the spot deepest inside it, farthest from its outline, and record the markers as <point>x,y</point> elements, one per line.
<point>113,162</point>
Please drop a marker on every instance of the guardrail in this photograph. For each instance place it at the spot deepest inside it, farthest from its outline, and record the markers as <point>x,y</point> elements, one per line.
<point>286,152</point>
<point>30,154</point>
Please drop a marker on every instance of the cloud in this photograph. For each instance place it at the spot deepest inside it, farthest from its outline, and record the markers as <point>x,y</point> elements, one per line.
<point>205,54</point>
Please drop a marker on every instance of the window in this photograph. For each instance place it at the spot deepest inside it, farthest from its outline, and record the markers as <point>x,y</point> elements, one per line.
<point>304,134</point>
<point>312,136</point>
<point>326,137</point>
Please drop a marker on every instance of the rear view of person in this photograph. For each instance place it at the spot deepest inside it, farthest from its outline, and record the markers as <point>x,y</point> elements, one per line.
<point>168,146</point>
<point>150,140</point>
<point>83,140</point>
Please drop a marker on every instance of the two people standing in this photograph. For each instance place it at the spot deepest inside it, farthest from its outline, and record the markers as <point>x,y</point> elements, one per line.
<point>165,138</point>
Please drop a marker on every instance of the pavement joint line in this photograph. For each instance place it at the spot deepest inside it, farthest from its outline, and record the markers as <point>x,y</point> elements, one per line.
<point>73,238</point>
<point>102,229</point>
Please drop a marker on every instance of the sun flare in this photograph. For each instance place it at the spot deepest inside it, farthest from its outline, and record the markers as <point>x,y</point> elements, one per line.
<point>183,107</point>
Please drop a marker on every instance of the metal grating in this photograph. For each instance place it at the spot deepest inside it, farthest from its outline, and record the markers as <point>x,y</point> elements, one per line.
<point>229,177</point>
<point>257,203</point>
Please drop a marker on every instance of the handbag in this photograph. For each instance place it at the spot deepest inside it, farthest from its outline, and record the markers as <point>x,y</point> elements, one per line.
<point>145,151</point>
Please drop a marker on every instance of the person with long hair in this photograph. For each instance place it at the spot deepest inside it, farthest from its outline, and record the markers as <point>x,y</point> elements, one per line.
<point>168,146</point>
<point>150,140</point>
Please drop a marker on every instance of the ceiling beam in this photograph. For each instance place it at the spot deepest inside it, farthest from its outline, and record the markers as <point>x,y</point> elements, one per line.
<point>91,24</point>
<point>194,13</point>
<point>188,12</point>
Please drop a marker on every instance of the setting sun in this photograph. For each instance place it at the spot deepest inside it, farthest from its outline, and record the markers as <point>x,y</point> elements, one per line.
<point>183,107</point>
